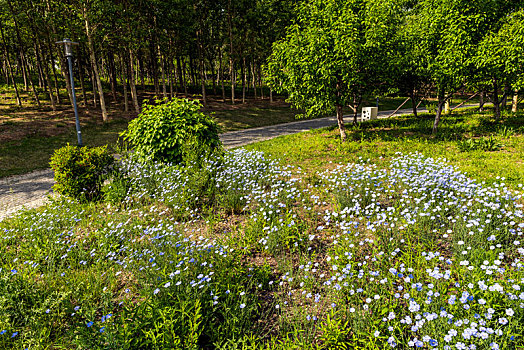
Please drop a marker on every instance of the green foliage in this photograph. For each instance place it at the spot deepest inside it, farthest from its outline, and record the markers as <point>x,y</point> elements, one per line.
<point>170,129</point>
<point>79,171</point>
<point>117,189</point>
<point>488,144</point>
<point>336,51</point>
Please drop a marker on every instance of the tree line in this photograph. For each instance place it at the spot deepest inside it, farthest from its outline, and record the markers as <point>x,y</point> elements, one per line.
<point>338,51</point>
<point>327,55</point>
<point>174,45</point>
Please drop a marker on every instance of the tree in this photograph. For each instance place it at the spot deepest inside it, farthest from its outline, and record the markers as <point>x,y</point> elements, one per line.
<point>499,58</point>
<point>448,33</point>
<point>334,52</point>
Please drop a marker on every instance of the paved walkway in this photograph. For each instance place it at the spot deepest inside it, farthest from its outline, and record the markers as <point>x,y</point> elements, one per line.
<point>31,190</point>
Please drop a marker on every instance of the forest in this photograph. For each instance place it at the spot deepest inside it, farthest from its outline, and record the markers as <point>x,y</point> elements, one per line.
<point>323,55</point>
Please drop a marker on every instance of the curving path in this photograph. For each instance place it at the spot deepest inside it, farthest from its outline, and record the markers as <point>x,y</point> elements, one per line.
<point>31,190</point>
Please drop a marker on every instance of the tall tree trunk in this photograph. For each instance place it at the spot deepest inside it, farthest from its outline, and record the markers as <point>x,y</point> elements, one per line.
<point>201,61</point>
<point>47,80</point>
<point>260,83</point>
<point>10,70</point>
<point>254,79</point>
<point>243,72</point>
<point>33,88</point>
<point>41,79</point>
<point>112,73</point>
<point>504,100</point>
<point>184,71</point>
<point>221,76</point>
<point>163,67</point>
<point>413,96</point>
<point>82,82</point>
<point>270,95</point>
<point>23,71</point>
<point>124,82</point>
<point>92,56</point>
<point>231,60</point>
<point>340,121</point>
<point>171,70</point>
<point>181,78</point>
<point>356,103</point>
<point>132,84</point>
<point>441,102</point>
<point>481,100</point>
<point>515,101</point>
<point>93,84</point>
<point>153,64</point>
<point>141,69</point>
<point>496,101</point>
<point>213,76</point>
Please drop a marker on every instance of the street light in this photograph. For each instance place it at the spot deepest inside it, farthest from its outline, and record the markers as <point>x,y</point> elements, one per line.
<point>68,46</point>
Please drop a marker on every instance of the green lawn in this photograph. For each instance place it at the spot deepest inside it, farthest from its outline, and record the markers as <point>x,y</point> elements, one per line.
<point>383,138</point>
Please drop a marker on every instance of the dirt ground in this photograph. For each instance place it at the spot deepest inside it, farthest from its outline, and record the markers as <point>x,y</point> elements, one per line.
<point>17,123</point>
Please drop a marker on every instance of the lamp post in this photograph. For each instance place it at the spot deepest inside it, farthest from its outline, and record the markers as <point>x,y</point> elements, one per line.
<point>68,46</point>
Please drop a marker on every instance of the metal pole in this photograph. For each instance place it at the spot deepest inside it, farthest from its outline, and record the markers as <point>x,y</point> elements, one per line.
<point>78,132</point>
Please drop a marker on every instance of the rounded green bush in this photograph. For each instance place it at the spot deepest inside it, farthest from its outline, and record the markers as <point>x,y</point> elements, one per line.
<point>170,129</point>
<point>79,171</point>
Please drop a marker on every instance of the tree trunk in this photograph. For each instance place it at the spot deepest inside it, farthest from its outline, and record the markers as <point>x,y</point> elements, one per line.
<point>441,102</point>
<point>112,73</point>
<point>514,104</point>
<point>231,60</point>
<point>481,100</point>
<point>92,56</point>
<point>33,88</point>
<point>172,71</point>
<point>504,99</point>
<point>270,95</point>
<point>254,79</point>
<point>153,65</point>
<point>213,77</point>
<point>124,82</point>
<point>23,71</point>
<point>10,70</point>
<point>93,84</point>
<point>413,96</point>
<point>221,76</point>
<point>260,83</point>
<point>132,84</point>
<point>41,79</point>
<point>48,80</point>
<point>201,61</point>
<point>140,70</point>
<point>163,67</point>
<point>244,78</point>
<point>340,121</point>
<point>496,101</point>
<point>184,70</point>
<point>82,83</point>
<point>192,76</point>
<point>181,75</point>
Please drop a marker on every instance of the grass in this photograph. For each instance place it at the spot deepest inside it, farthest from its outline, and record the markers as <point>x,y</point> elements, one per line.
<point>383,138</point>
<point>32,153</point>
<point>313,244</point>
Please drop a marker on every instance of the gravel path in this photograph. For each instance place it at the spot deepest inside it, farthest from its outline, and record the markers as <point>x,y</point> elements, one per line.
<point>31,190</point>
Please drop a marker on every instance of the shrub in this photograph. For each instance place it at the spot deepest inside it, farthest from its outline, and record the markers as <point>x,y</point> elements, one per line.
<point>79,171</point>
<point>167,131</point>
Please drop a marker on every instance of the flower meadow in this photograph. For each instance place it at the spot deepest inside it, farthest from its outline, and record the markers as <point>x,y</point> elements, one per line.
<point>242,252</point>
